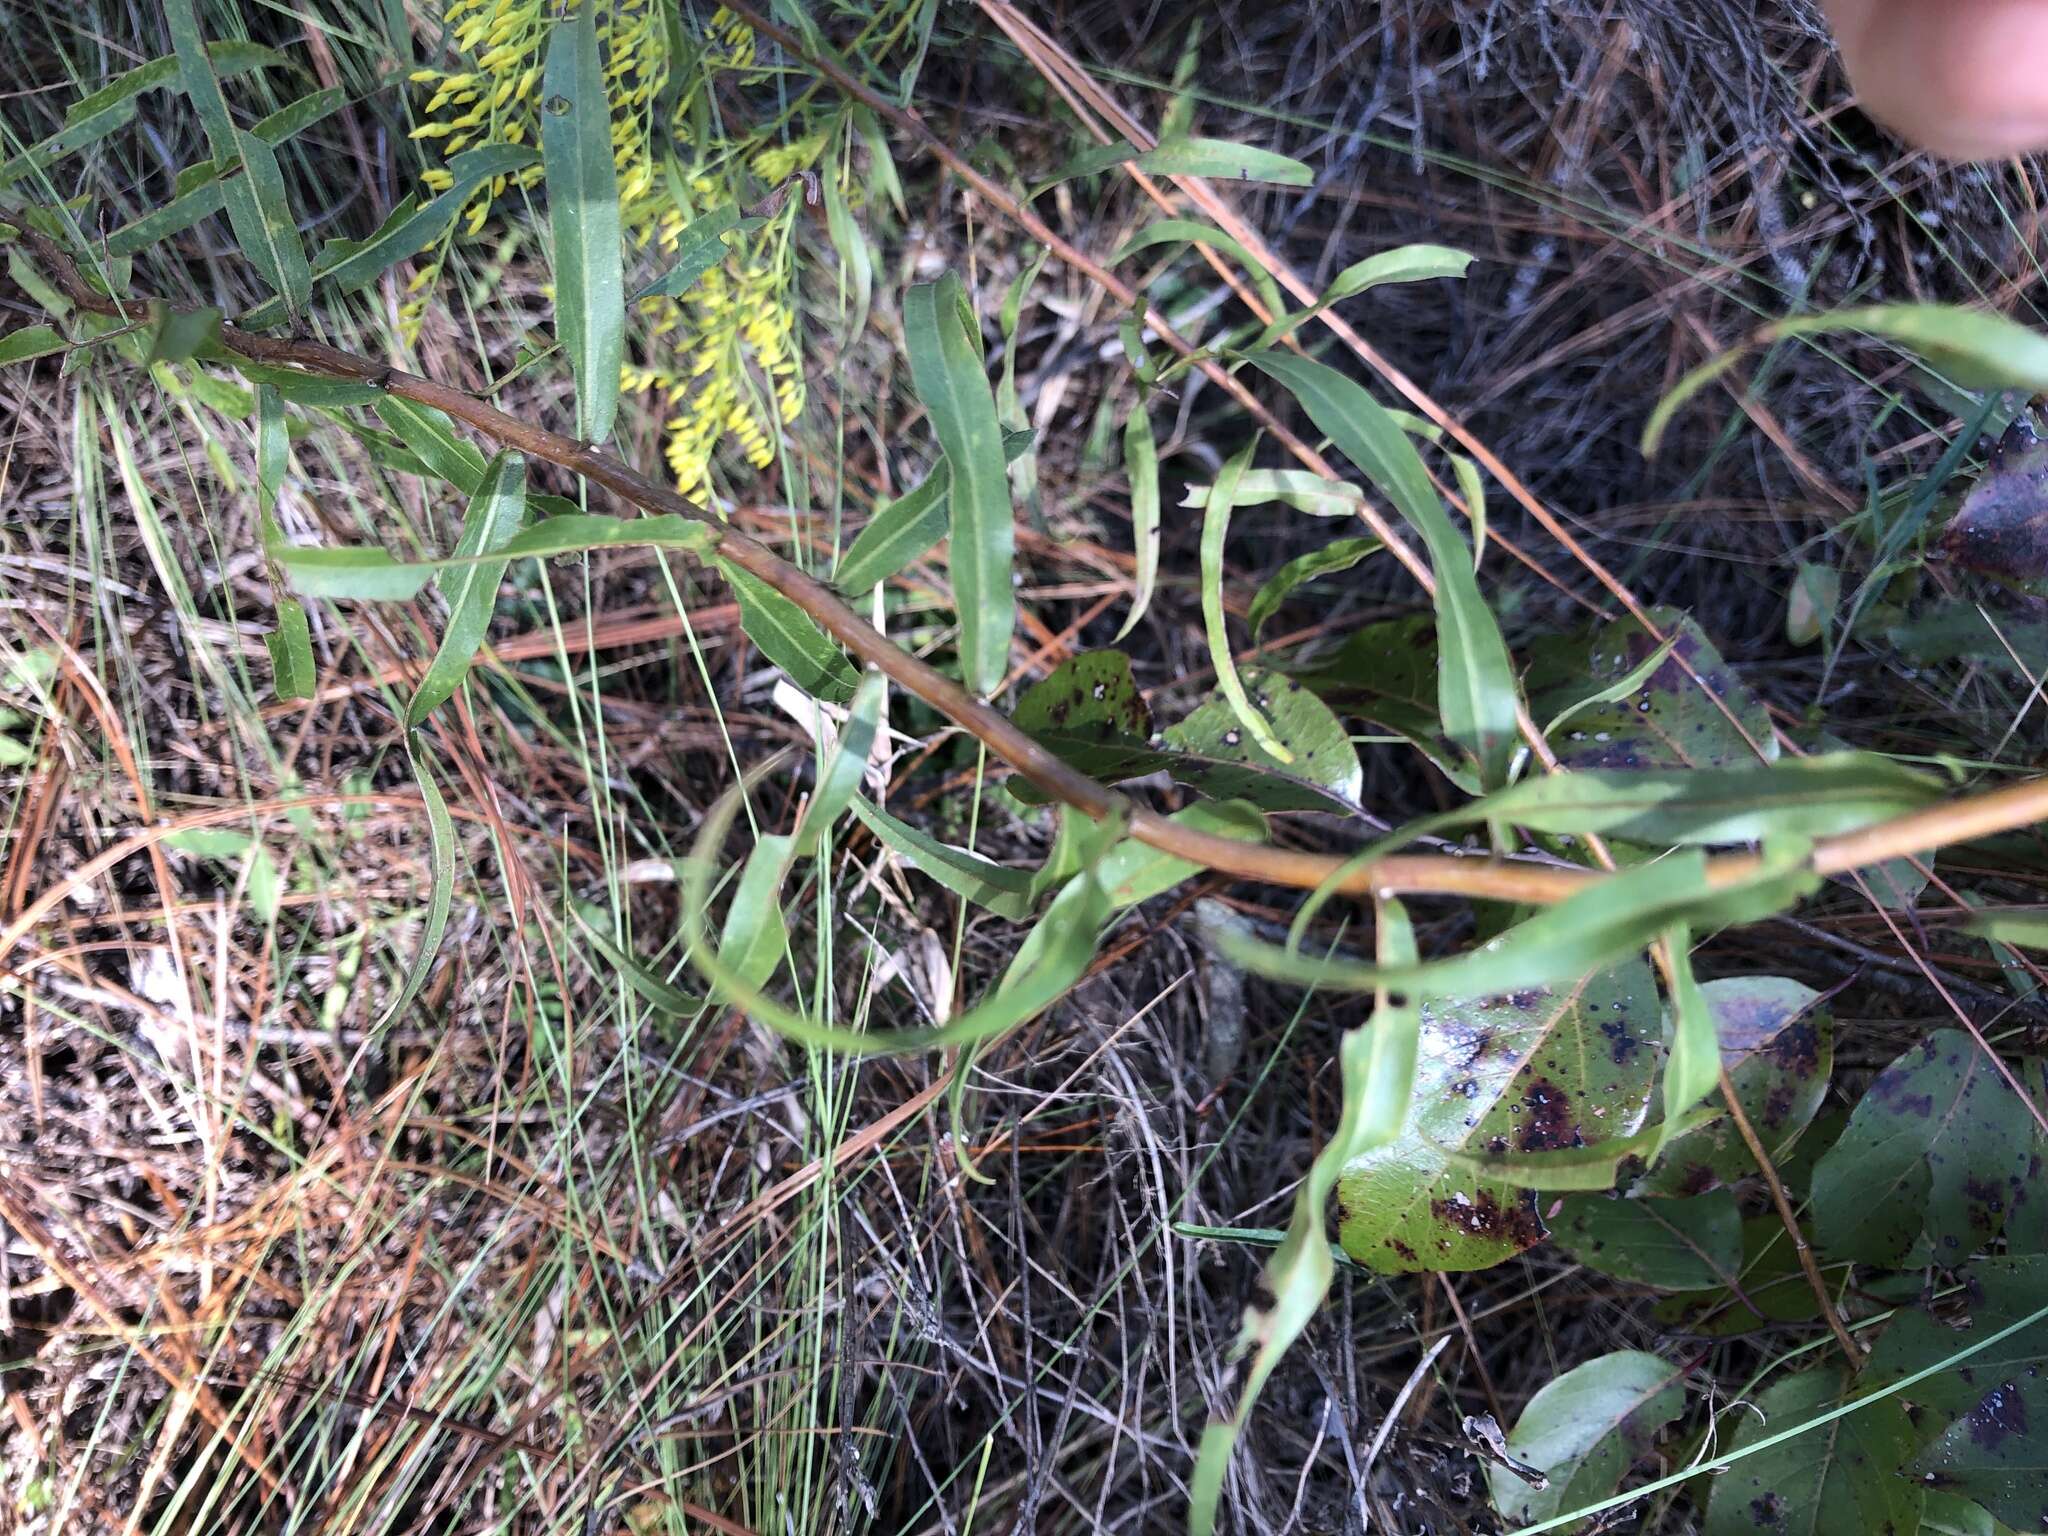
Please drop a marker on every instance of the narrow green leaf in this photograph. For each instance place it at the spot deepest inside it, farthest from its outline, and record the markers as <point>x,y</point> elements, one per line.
<point>699,248</point>
<point>256,202</point>
<point>1405,264</point>
<point>430,435</point>
<point>1477,694</point>
<point>361,572</point>
<point>1215,530</point>
<point>1007,892</point>
<point>791,639</point>
<point>264,884</point>
<point>209,842</point>
<point>1224,161</point>
<point>858,262</point>
<point>946,368</point>
<point>1680,394</point>
<point>293,675</point>
<point>229,57</point>
<point>1377,1065</point>
<point>76,134</point>
<point>440,895</point>
<point>175,334</point>
<point>1337,555</point>
<point>309,389</point>
<point>1141,470</point>
<point>345,265</point>
<point>905,528</point>
<point>583,219</point>
<point>1692,1062</point>
<point>1194,232</point>
<point>841,774</point>
<point>1296,488</point>
<point>756,935</point>
<point>31,341</point>
<point>658,994</point>
<point>495,513</point>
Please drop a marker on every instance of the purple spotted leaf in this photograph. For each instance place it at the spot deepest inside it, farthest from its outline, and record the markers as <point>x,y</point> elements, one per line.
<point>1978,1427</point>
<point>1529,1072</point>
<point>1668,721</point>
<point>1939,1144</point>
<point>1840,1478</point>
<point>1777,1045</point>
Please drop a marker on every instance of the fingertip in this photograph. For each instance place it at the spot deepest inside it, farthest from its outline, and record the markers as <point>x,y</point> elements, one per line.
<point>1962,78</point>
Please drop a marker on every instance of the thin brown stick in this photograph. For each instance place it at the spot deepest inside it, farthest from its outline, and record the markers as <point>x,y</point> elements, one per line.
<point>1509,880</point>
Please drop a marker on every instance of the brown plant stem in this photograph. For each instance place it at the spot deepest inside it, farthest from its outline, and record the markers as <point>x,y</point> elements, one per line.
<point>1506,880</point>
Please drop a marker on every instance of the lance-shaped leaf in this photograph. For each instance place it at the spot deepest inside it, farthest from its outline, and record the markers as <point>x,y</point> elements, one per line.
<point>1141,470</point>
<point>1215,531</point>
<point>791,639</point>
<point>583,219</point>
<point>495,513</point>
<point>1477,695</point>
<point>256,202</point>
<point>946,368</point>
<point>905,528</point>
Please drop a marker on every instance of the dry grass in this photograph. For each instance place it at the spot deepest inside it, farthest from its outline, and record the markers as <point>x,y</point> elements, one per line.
<point>539,1258</point>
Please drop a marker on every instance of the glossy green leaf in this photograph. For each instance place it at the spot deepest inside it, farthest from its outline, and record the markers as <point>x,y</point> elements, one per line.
<point>1777,1046</point>
<point>1668,720</point>
<point>841,774</point>
<point>1477,696</point>
<point>1089,711</point>
<point>1527,1070</point>
<point>308,389</point>
<point>658,994</point>
<point>1388,673</point>
<point>494,516</point>
<point>430,436</point>
<point>756,934</point>
<point>946,368</point>
<point>583,219</point>
<point>1584,1430</point>
<point>1607,921</point>
<point>790,638</point>
<point>1773,1289</point>
<point>1838,1479</point>
<point>441,889</point>
<point>1337,555</point>
<point>1319,749</point>
<point>1193,232</point>
<point>175,334</point>
<point>257,206</point>
<point>412,227</point>
<point>361,572</point>
<point>1673,1245</point>
<point>1376,1063</point>
<point>1692,1053</point>
<point>1939,1143</point>
<point>31,341</point>
<point>1141,472</point>
<point>292,670</point>
<point>1296,488</point>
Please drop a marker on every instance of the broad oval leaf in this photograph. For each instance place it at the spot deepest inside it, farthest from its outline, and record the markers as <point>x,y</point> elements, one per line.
<point>1839,1479</point>
<point>1669,721</point>
<point>1672,1245</point>
<point>1777,1045</point>
<point>1584,1430</point>
<point>1938,1143</point>
<point>583,219</point>
<point>495,513</point>
<point>1320,753</point>
<point>1529,1072</point>
<point>947,369</point>
<point>31,341</point>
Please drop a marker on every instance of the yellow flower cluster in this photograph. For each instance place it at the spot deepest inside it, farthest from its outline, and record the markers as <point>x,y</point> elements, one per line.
<point>696,347</point>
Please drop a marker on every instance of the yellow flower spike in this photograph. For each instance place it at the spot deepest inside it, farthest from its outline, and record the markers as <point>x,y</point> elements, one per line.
<point>477,216</point>
<point>431,131</point>
<point>424,76</point>
<point>456,142</point>
<point>437,180</point>
<point>515,133</point>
